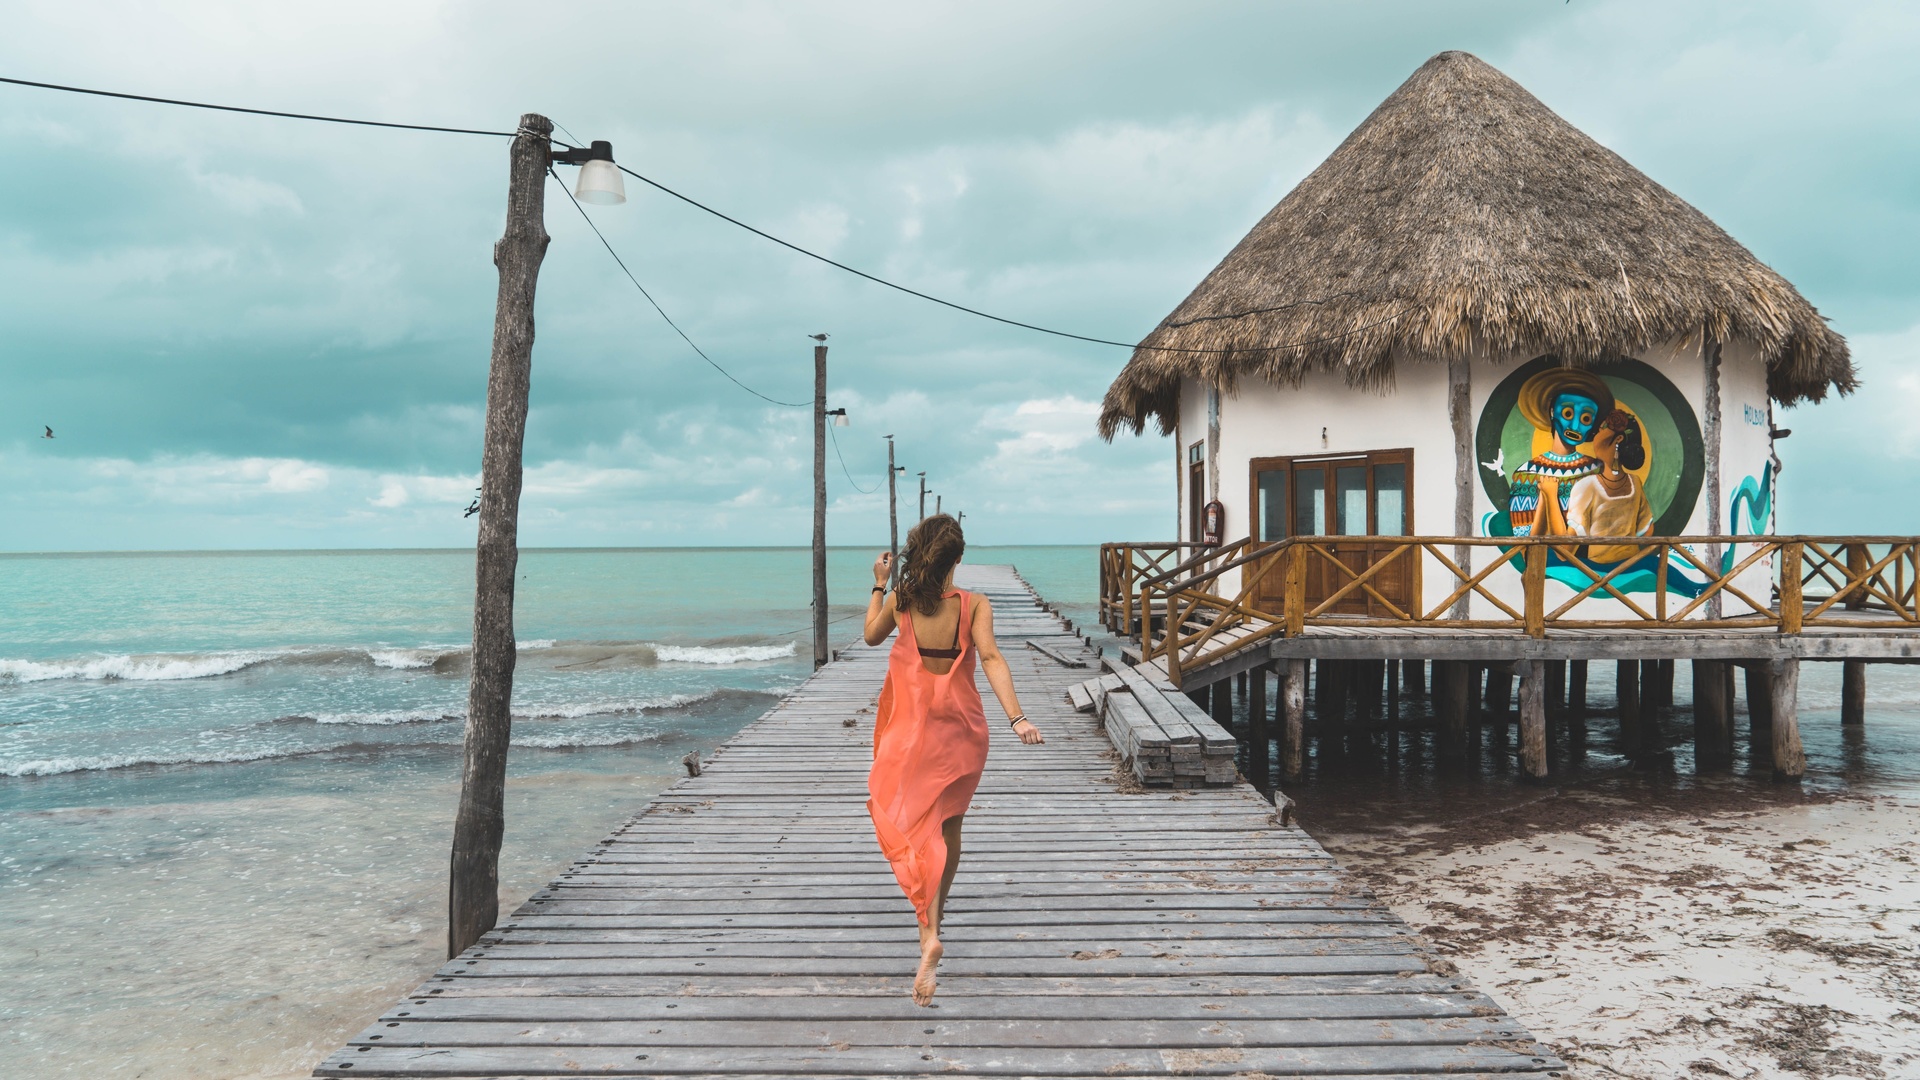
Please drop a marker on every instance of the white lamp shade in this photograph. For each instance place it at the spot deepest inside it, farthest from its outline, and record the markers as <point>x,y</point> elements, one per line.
<point>600,184</point>
<point>840,420</point>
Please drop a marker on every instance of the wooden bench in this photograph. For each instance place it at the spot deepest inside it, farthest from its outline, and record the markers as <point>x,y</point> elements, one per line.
<point>1167,740</point>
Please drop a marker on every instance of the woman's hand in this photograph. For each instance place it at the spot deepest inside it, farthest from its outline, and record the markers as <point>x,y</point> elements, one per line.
<point>1028,733</point>
<point>882,567</point>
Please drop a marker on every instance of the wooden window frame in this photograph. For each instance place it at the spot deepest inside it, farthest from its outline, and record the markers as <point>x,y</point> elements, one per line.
<point>1396,456</point>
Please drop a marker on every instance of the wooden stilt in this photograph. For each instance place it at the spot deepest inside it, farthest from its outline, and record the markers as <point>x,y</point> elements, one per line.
<point>1221,706</point>
<point>1789,760</point>
<point>1759,693</point>
<point>1556,685</point>
<point>1393,695</point>
<point>1664,686</point>
<point>1712,731</point>
<point>1257,739</point>
<point>1499,694</point>
<point>1577,686</point>
<point>1414,676</point>
<point>1626,683</point>
<point>1533,718</point>
<point>1453,696</point>
<point>1294,696</point>
<point>1853,692</point>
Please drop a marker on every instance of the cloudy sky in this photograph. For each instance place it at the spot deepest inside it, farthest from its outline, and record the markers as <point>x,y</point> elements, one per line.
<point>250,332</point>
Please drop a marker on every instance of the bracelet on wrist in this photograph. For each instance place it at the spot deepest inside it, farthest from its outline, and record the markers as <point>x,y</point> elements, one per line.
<point>879,588</point>
<point>1018,720</point>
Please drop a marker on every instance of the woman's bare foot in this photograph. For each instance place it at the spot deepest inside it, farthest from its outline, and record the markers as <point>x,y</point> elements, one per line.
<point>923,981</point>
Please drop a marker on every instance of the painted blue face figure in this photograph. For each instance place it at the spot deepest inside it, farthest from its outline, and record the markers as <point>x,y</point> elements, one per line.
<point>1575,417</point>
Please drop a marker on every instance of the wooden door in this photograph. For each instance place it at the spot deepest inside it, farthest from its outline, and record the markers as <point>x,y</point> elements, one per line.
<point>1338,496</point>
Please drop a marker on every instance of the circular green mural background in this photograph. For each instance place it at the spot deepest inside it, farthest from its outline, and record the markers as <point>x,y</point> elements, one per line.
<point>1676,456</point>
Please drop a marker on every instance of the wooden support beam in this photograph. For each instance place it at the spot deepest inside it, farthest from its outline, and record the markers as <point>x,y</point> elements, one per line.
<point>1577,686</point>
<point>1533,718</point>
<point>1759,693</point>
<point>1413,676</point>
<point>1257,740</point>
<point>1556,685</point>
<point>1499,693</point>
<point>1789,759</point>
<point>1853,692</point>
<point>1294,694</point>
<point>1457,708</point>
<point>1712,727</point>
<point>1662,694</point>
<point>1220,705</point>
<point>1626,691</point>
<point>1393,695</point>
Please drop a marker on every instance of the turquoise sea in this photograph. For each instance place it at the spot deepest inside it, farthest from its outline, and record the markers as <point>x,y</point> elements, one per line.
<point>227,779</point>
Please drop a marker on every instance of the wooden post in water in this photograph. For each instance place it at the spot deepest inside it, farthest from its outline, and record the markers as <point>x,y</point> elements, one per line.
<point>819,507</point>
<point>1393,695</point>
<point>1759,693</point>
<point>1853,692</point>
<point>1789,759</point>
<point>1499,693</point>
<point>1257,738</point>
<point>1626,683</point>
<point>1220,706</point>
<point>1533,718</point>
<point>1414,676</point>
<point>1577,686</point>
<point>1294,694</point>
<point>1712,731</point>
<point>893,518</point>
<point>473,892</point>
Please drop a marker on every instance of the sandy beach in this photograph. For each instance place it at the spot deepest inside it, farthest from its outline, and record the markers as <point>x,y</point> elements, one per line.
<point>1742,932</point>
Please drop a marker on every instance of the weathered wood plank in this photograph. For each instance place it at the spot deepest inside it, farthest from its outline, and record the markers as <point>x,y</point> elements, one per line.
<point>744,924</point>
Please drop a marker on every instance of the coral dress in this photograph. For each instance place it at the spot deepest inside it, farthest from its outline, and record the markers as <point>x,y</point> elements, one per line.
<point>929,748</point>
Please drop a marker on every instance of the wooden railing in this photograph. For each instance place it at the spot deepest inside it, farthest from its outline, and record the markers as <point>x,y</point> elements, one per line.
<point>1124,565</point>
<point>1666,583</point>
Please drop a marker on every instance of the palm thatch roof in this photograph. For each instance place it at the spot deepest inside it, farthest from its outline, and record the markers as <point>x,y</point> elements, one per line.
<point>1465,218</point>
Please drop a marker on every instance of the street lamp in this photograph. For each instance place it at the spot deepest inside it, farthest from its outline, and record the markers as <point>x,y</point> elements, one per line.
<point>599,182</point>
<point>839,417</point>
<point>473,905</point>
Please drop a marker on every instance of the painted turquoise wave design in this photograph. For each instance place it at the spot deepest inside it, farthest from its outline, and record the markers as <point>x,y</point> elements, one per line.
<point>1755,496</point>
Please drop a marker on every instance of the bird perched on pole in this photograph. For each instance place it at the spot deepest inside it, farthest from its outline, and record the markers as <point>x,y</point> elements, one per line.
<point>818,337</point>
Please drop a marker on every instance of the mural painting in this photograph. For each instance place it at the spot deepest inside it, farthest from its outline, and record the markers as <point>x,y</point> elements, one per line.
<point>1607,451</point>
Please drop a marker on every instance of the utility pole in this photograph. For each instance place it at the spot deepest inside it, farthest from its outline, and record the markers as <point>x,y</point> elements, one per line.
<point>473,895</point>
<point>819,506</point>
<point>923,496</point>
<point>936,504</point>
<point>893,518</point>
<point>960,518</point>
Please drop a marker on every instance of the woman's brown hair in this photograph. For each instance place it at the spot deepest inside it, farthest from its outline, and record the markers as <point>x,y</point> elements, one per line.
<point>933,547</point>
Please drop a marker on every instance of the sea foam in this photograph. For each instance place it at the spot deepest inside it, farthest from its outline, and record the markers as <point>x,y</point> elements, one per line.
<point>153,668</point>
<point>723,654</point>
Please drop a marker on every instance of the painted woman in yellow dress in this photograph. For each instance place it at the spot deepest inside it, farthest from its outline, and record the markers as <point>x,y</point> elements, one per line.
<point>1611,502</point>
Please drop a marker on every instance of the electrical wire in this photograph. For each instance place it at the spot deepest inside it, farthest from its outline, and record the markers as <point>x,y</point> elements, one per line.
<point>254,112</point>
<point>843,463</point>
<point>661,310</point>
<point>690,201</point>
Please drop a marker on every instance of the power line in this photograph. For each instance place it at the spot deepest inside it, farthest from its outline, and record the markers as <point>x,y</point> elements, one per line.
<point>253,112</point>
<point>741,224</point>
<point>661,310</point>
<point>690,201</point>
<point>843,464</point>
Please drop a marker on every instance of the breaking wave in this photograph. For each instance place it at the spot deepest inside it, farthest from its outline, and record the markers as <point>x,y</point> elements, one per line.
<point>133,668</point>
<point>170,667</point>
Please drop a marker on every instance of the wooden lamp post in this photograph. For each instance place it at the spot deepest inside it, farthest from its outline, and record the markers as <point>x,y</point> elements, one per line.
<point>473,895</point>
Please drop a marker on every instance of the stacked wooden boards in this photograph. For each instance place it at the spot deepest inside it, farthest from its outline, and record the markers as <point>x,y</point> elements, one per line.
<point>1163,737</point>
<point>745,925</point>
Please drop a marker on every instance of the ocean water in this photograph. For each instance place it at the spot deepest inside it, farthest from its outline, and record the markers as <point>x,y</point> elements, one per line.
<point>227,779</point>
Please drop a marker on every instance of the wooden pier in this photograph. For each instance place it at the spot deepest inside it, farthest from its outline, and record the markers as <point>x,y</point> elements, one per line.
<point>745,924</point>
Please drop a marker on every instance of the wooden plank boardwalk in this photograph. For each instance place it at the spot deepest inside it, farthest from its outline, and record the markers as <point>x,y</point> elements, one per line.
<point>745,924</point>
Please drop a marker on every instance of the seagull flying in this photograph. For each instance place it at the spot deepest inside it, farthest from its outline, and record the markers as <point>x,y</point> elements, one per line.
<point>818,337</point>
<point>49,433</point>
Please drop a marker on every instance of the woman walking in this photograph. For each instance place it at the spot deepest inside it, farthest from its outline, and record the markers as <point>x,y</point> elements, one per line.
<point>930,733</point>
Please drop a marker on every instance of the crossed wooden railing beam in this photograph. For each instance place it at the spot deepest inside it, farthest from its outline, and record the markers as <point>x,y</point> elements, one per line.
<point>1868,581</point>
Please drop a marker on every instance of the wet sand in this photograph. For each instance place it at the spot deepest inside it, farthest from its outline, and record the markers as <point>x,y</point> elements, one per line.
<point>1651,923</point>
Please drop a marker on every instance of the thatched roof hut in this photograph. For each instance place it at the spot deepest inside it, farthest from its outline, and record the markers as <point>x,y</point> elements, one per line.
<point>1466,219</point>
